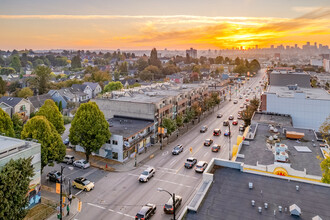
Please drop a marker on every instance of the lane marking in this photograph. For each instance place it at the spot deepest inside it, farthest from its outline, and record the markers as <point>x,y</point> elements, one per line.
<point>164,153</point>
<point>166,181</point>
<point>205,154</point>
<point>173,161</point>
<point>178,174</point>
<point>79,192</point>
<point>120,213</point>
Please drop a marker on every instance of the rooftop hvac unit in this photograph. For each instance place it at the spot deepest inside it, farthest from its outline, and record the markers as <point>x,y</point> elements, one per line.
<point>282,157</point>
<point>317,218</point>
<point>250,185</point>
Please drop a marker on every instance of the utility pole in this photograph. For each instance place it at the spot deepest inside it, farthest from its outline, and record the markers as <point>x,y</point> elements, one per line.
<point>229,142</point>
<point>61,199</point>
<point>173,206</point>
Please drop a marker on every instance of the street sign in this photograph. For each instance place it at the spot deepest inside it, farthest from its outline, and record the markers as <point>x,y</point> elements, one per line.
<point>58,188</point>
<point>79,206</point>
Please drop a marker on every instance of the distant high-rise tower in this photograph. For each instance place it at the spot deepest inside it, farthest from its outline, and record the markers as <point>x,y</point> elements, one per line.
<point>272,46</point>
<point>315,45</point>
<point>256,47</point>
<point>308,44</point>
<point>192,53</point>
<point>296,46</point>
<point>287,47</point>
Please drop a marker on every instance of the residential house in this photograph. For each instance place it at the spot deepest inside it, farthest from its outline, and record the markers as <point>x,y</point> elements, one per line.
<point>38,100</point>
<point>57,97</point>
<point>84,88</point>
<point>6,108</point>
<point>19,105</point>
<point>96,88</point>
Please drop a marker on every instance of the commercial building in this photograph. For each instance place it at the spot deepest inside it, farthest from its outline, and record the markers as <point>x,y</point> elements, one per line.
<point>128,135</point>
<point>11,148</point>
<point>192,53</point>
<point>285,77</point>
<point>308,107</point>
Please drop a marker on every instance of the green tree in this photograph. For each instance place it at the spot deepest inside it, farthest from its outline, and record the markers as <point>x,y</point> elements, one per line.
<point>112,86</point>
<point>52,147</point>
<point>155,71</point>
<point>215,97</point>
<point>314,83</point>
<point>325,166</point>
<point>15,179</point>
<point>17,125</point>
<point>153,60</point>
<point>3,86</point>
<point>25,92</point>
<point>116,75</point>
<point>141,64</point>
<point>6,125</point>
<point>7,70</point>
<point>170,125</point>
<point>219,60</point>
<point>254,66</point>
<point>190,114</point>
<point>146,75</point>
<point>38,62</point>
<point>53,115</point>
<point>237,61</point>
<point>179,120</point>
<point>325,129</point>
<point>123,68</point>
<point>89,128</point>
<point>60,107</point>
<point>42,77</point>
<point>76,62</point>
<point>16,63</point>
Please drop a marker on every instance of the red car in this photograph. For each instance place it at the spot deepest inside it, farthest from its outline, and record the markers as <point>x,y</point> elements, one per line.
<point>215,148</point>
<point>235,122</point>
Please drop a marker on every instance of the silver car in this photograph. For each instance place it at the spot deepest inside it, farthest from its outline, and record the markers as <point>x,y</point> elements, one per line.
<point>81,163</point>
<point>147,174</point>
<point>200,166</point>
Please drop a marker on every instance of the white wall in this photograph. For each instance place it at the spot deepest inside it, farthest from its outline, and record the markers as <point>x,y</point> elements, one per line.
<point>305,113</point>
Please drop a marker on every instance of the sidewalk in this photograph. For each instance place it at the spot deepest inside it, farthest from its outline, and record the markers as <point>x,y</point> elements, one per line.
<point>142,158</point>
<point>56,198</point>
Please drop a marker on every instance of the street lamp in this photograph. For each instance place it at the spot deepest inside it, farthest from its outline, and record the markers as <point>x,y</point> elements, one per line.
<point>173,198</point>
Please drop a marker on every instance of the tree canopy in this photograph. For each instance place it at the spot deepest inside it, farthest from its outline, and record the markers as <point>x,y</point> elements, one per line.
<point>17,125</point>
<point>89,129</point>
<point>153,60</point>
<point>112,86</point>
<point>76,62</point>
<point>42,77</point>
<point>6,125</point>
<point>16,63</point>
<point>15,179</point>
<point>52,147</point>
<point>3,86</point>
<point>53,115</point>
<point>169,124</point>
<point>25,92</point>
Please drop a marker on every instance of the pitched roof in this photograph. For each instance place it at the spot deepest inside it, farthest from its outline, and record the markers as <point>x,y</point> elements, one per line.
<point>81,87</point>
<point>38,100</point>
<point>91,85</point>
<point>12,101</point>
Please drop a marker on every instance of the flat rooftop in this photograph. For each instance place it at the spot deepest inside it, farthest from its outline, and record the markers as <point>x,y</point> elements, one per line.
<point>269,118</point>
<point>126,126</point>
<point>229,198</point>
<point>10,145</point>
<point>258,151</point>
<point>310,93</point>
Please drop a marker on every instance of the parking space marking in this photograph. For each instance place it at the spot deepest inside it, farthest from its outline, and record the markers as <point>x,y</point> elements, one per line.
<point>166,181</point>
<point>120,213</point>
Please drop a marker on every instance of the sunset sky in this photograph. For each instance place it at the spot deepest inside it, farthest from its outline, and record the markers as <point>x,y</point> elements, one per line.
<point>171,24</point>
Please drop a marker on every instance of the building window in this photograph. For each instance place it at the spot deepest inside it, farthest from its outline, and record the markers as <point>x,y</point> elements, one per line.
<point>108,142</point>
<point>133,137</point>
<point>114,142</point>
<point>115,155</point>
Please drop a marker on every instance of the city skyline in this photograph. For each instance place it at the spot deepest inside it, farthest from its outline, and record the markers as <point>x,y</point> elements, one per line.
<point>128,25</point>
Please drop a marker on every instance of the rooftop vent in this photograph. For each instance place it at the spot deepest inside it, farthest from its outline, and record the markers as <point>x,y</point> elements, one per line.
<point>280,208</point>
<point>259,209</point>
<point>317,218</point>
<point>253,202</point>
<point>297,187</point>
<point>295,210</point>
<point>250,185</point>
<point>266,205</point>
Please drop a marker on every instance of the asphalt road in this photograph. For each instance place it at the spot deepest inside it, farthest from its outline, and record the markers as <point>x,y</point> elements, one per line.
<point>120,195</point>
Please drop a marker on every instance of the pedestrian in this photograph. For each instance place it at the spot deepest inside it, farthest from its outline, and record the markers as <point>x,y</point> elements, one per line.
<point>70,198</point>
<point>68,209</point>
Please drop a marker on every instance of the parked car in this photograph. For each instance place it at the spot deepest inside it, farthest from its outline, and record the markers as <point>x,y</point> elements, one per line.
<point>235,101</point>
<point>219,115</point>
<point>242,106</point>
<point>82,183</point>
<point>216,132</point>
<point>227,133</point>
<point>241,128</point>
<point>68,159</point>
<point>235,122</point>
<point>81,163</point>
<point>168,207</point>
<point>247,100</point>
<point>240,97</point>
<point>203,129</point>
<point>208,142</point>
<point>239,116</point>
<point>146,212</point>
<point>190,162</point>
<point>66,141</point>
<point>147,174</point>
<point>200,166</point>
<point>215,148</point>
<point>231,117</point>
<point>178,149</point>
<point>54,176</point>
<point>225,123</point>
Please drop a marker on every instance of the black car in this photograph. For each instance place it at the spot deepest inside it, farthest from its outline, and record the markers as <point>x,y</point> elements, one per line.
<point>219,115</point>
<point>178,149</point>
<point>203,129</point>
<point>208,142</point>
<point>168,207</point>
<point>226,123</point>
<point>190,162</point>
<point>54,176</point>
<point>146,212</point>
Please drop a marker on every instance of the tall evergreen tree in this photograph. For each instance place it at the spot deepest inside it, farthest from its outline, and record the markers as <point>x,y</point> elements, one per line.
<point>17,125</point>
<point>76,62</point>
<point>16,63</point>
<point>15,179</point>
<point>3,86</point>
<point>42,77</point>
<point>153,60</point>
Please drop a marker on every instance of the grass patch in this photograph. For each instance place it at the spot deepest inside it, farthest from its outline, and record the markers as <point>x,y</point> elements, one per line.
<point>41,211</point>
